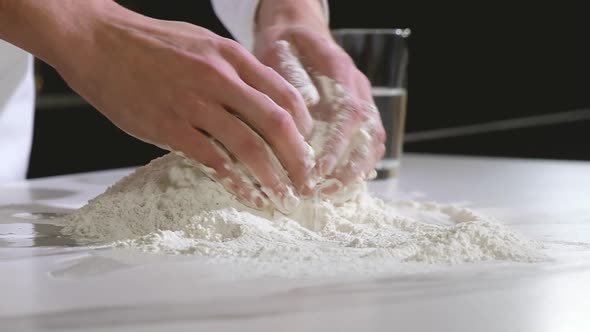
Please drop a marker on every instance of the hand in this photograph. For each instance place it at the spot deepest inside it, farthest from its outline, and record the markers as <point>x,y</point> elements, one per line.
<point>186,89</point>
<point>346,100</point>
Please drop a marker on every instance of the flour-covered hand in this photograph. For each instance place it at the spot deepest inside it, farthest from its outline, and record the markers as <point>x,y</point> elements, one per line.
<point>356,138</point>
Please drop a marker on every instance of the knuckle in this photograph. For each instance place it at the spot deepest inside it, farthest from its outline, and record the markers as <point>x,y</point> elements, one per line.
<point>345,59</point>
<point>380,134</point>
<point>209,67</point>
<point>279,122</point>
<point>381,151</point>
<point>290,97</point>
<point>364,80</point>
<point>232,47</point>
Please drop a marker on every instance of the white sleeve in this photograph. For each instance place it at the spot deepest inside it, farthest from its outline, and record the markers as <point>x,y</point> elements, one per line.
<point>17,102</point>
<point>238,18</point>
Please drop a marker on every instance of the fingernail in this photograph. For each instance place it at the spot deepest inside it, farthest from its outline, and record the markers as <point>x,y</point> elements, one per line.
<point>306,191</point>
<point>310,183</point>
<point>308,157</point>
<point>284,199</point>
<point>290,200</point>
<point>260,201</point>
<point>309,93</point>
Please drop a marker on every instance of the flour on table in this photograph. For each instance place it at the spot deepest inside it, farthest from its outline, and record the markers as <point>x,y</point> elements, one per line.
<point>171,207</point>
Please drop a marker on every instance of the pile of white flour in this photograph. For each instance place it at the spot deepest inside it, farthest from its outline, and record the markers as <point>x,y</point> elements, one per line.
<point>169,206</point>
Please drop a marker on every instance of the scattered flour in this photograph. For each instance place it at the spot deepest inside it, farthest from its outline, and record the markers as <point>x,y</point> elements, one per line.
<point>171,207</point>
<point>174,206</point>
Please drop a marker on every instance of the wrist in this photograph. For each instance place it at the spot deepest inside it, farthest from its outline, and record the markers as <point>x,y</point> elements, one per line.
<point>273,14</point>
<point>55,30</point>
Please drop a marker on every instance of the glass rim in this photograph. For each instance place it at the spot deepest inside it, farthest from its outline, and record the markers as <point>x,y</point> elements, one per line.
<point>402,32</point>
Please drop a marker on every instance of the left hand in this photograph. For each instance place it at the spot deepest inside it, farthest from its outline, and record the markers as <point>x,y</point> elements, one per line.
<point>325,57</point>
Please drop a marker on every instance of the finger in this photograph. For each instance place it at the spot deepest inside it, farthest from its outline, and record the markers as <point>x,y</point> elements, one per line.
<point>344,116</point>
<point>324,57</point>
<point>344,91</point>
<point>240,181</point>
<point>358,168</point>
<point>373,122</point>
<point>269,82</point>
<point>276,127</point>
<point>217,164</point>
<point>366,148</point>
<point>251,150</point>
<point>364,88</point>
<point>378,135</point>
<point>284,58</point>
<point>371,135</point>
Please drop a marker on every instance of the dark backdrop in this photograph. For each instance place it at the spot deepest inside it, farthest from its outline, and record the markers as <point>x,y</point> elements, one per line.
<point>469,64</point>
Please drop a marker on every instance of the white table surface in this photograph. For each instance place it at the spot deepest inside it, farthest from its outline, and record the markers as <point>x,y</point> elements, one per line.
<point>47,286</point>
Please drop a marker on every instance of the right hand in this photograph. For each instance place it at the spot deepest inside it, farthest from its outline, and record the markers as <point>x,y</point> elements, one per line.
<point>355,136</point>
<point>187,89</point>
<point>355,140</point>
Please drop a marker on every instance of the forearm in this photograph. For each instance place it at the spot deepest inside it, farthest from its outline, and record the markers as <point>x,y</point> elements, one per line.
<point>51,28</point>
<point>292,12</point>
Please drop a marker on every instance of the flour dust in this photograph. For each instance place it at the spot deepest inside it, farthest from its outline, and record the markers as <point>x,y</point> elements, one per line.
<point>171,207</point>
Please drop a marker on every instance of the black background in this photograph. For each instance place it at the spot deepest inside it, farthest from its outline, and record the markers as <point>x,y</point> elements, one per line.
<point>469,63</point>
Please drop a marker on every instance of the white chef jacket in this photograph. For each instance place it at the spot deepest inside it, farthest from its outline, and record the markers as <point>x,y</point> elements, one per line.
<point>17,90</point>
<point>17,93</point>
